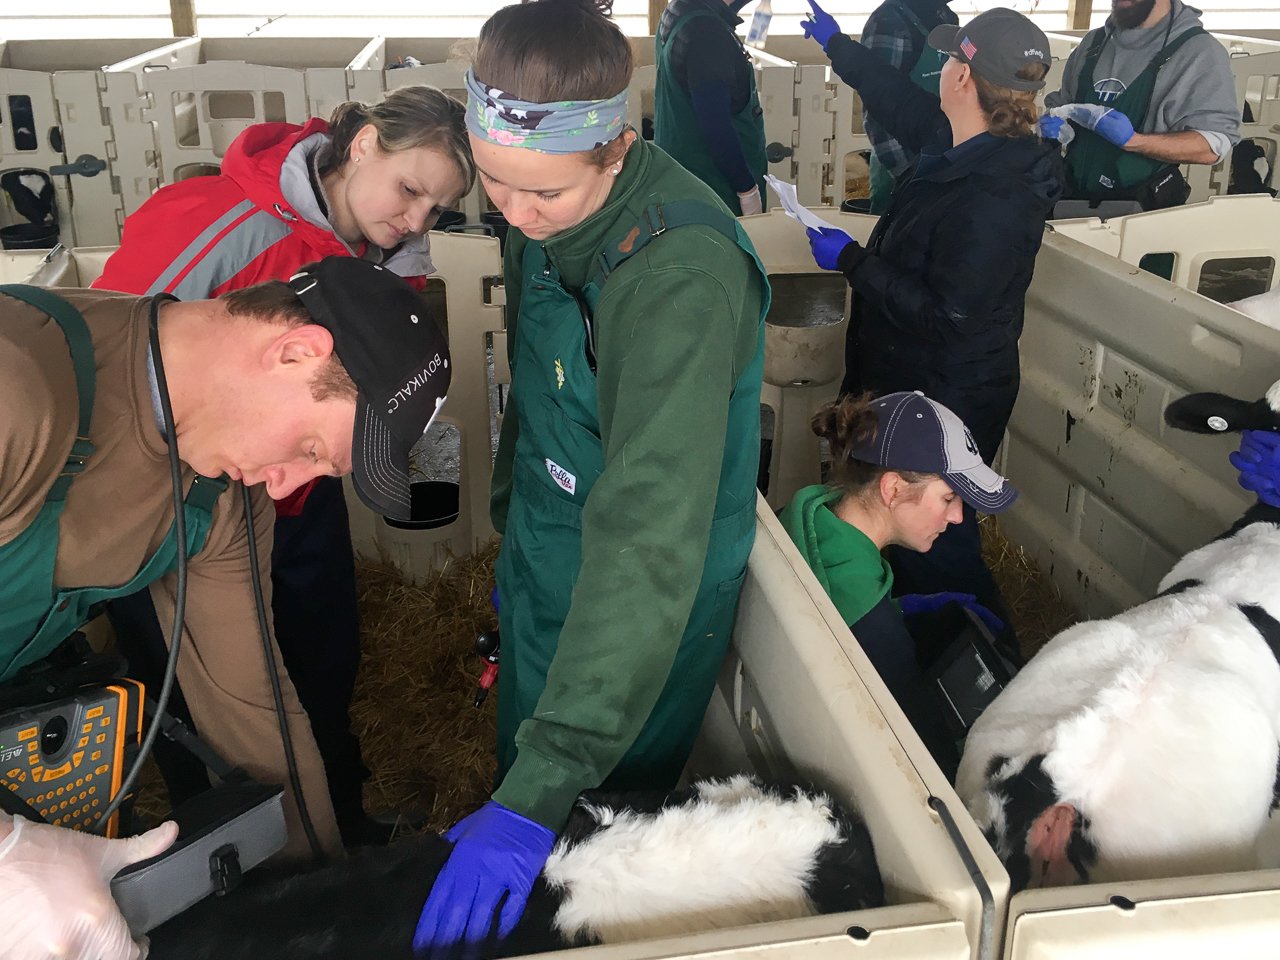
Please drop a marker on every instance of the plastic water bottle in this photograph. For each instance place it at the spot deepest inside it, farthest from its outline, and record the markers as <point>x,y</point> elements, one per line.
<point>758,32</point>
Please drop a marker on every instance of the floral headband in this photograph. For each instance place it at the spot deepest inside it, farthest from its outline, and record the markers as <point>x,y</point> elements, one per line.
<point>566,126</point>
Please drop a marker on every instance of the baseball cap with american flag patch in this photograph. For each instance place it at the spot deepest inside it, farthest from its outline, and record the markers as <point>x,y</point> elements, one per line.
<point>996,44</point>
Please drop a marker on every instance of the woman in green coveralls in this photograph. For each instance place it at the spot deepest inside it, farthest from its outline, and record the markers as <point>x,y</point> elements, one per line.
<point>625,479</point>
<point>902,465</point>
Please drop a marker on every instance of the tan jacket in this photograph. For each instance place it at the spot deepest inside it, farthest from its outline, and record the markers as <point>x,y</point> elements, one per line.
<point>120,509</point>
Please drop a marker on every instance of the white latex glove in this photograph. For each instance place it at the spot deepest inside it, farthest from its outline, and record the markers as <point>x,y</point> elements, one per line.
<point>55,891</point>
<point>750,202</point>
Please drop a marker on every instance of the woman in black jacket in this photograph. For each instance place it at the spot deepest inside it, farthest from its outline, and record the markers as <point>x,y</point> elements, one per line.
<point>939,288</point>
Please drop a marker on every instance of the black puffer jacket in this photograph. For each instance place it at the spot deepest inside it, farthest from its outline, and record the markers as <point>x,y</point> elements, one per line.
<point>938,299</point>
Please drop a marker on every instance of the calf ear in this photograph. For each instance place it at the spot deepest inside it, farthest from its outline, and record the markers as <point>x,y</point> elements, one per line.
<point>1048,843</point>
<point>1218,413</point>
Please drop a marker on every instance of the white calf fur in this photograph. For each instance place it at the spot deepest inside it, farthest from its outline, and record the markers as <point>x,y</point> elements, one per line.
<point>766,843</point>
<point>1160,725</point>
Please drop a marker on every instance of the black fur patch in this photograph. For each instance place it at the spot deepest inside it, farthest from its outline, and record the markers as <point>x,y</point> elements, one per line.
<point>994,765</point>
<point>368,905</point>
<point>1193,412</point>
<point>1081,853</point>
<point>1025,795</point>
<point>1265,624</point>
<point>1259,513</point>
<point>1275,791</point>
<point>1178,587</point>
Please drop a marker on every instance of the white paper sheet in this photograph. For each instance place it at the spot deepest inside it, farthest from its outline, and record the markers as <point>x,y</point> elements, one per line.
<point>787,196</point>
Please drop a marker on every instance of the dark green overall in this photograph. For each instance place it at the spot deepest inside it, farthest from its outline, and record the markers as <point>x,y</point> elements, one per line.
<point>554,395</point>
<point>1096,168</point>
<point>35,614</point>
<point>927,75</point>
<point>676,126</point>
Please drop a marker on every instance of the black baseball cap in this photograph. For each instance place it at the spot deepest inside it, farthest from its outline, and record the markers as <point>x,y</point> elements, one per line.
<point>919,434</point>
<point>386,338</point>
<point>997,44</point>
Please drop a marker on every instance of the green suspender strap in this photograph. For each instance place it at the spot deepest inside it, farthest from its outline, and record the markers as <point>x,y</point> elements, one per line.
<point>1097,169</point>
<point>657,220</point>
<point>35,615</point>
<point>81,346</point>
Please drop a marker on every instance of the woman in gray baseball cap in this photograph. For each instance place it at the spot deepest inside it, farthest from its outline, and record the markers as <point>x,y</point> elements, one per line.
<point>940,286</point>
<point>902,467</point>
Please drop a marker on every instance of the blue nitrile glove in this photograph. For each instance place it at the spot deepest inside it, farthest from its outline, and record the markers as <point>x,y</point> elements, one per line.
<point>822,27</point>
<point>1111,125</point>
<point>496,853</point>
<point>827,245</point>
<point>1056,128</point>
<point>1258,461</point>
<point>929,602</point>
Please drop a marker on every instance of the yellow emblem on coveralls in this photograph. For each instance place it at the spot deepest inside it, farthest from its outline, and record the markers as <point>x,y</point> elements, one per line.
<point>559,374</point>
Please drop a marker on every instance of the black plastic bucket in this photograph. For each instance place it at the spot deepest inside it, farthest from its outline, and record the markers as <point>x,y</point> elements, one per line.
<point>29,236</point>
<point>432,504</point>
<point>859,205</point>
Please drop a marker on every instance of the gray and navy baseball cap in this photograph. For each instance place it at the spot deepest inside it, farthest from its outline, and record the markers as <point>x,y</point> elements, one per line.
<point>398,358</point>
<point>916,433</point>
<point>997,44</point>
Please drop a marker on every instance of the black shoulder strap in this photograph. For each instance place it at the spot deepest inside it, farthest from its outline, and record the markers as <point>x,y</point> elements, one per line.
<point>80,344</point>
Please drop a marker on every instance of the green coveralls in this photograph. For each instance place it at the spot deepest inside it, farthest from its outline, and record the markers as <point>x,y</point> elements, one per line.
<point>35,614</point>
<point>927,75</point>
<point>676,127</point>
<point>1096,168</point>
<point>558,457</point>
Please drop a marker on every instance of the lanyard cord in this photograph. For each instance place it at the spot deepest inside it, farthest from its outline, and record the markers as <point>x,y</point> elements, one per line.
<point>180,599</point>
<point>180,606</point>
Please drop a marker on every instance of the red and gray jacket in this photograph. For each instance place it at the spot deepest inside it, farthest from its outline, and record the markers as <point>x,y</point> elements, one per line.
<point>258,220</point>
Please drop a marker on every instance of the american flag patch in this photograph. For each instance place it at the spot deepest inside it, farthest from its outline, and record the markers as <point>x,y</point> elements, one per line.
<point>969,49</point>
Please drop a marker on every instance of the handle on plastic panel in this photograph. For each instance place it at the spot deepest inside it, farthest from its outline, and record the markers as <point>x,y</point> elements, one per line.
<point>483,228</point>
<point>86,165</point>
<point>776,152</point>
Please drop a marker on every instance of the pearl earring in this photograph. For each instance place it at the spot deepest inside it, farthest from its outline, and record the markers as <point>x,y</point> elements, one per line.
<point>615,171</point>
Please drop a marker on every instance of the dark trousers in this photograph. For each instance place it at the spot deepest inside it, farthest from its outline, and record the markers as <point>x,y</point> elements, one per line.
<point>317,629</point>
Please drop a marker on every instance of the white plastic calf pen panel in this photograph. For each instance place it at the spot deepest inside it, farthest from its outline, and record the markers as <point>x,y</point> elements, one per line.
<point>797,695</point>
<point>1110,497</point>
<point>1197,236</point>
<point>1233,915</point>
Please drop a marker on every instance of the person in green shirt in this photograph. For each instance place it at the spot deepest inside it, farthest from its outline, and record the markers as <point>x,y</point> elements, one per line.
<point>624,485</point>
<point>902,465</point>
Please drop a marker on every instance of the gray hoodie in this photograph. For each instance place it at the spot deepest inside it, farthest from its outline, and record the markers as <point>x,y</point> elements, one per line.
<point>1194,90</point>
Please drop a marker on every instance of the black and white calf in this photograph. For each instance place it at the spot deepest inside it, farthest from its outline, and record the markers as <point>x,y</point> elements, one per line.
<point>1146,745</point>
<point>627,867</point>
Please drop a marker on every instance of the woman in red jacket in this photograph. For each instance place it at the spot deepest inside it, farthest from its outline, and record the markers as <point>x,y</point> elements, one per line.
<point>369,183</point>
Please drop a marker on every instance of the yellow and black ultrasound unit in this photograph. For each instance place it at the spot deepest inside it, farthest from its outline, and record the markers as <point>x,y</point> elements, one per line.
<point>67,758</point>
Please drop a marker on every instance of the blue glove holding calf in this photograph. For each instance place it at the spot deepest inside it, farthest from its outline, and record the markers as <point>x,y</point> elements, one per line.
<point>822,27</point>
<point>497,855</point>
<point>1258,461</point>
